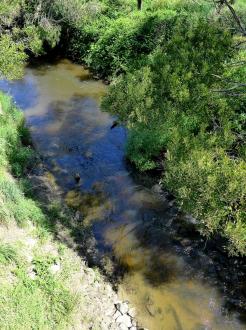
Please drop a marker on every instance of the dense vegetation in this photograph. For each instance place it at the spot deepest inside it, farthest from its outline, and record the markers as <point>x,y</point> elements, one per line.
<point>178,85</point>
<point>178,82</point>
<point>186,112</point>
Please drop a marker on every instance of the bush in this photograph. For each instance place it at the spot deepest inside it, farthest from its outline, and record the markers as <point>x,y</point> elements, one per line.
<point>178,114</point>
<point>27,28</point>
<point>211,186</point>
<point>127,40</point>
<point>7,254</point>
<point>12,57</point>
<point>173,91</point>
<point>12,133</point>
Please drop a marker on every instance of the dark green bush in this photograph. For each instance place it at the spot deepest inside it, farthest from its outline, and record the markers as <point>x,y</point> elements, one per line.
<point>127,40</point>
<point>177,113</point>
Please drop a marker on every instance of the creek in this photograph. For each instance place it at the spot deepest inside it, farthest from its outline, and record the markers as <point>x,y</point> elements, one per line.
<point>130,220</point>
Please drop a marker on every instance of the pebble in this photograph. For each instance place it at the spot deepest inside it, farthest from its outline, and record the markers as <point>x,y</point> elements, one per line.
<point>125,319</point>
<point>31,272</point>
<point>122,326</point>
<point>122,307</point>
<point>32,275</point>
<point>77,216</point>
<point>88,154</point>
<point>55,268</point>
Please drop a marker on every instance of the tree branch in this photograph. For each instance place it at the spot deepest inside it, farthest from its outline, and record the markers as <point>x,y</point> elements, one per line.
<point>234,14</point>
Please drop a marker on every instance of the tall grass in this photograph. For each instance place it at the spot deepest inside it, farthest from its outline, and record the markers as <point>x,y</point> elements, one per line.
<point>40,301</point>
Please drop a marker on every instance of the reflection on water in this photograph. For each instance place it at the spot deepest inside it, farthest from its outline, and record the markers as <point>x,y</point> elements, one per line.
<point>158,283</point>
<point>92,205</point>
<point>61,105</point>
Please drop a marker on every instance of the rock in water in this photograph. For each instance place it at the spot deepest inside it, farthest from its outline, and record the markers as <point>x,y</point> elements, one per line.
<point>77,177</point>
<point>115,123</point>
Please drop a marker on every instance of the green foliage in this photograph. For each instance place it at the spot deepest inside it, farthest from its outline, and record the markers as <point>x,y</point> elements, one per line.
<point>9,11</point>
<point>35,303</point>
<point>211,186</point>
<point>180,117</point>
<point>127,40</point>
<point>91,20</point>
<point>229,21</point>
<point>25,28</point>
<point>7,254</point>
<point>12,57</point>
<point>40,301</point>
<point>12,131</point>
<point>175,83</point>
<point>81,38</point>
<point>15,156</point>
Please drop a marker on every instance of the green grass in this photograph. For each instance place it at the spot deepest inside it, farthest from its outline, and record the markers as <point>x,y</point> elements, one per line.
<point>41,301</point>
<point>7,253</point>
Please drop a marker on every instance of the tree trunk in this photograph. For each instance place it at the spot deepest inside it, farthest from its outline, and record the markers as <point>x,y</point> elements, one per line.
<point>139,4</point>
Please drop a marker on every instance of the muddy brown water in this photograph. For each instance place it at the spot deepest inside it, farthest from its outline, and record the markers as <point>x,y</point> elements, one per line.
<point>61,103</point>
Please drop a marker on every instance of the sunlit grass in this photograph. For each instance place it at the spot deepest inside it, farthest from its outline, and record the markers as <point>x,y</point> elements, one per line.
<point>40,299</point>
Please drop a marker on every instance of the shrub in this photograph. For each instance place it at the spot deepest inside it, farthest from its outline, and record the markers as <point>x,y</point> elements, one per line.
<point>127,40</point>
<point>12,57</point>
<point>178,114</point>
<point>211,186</point>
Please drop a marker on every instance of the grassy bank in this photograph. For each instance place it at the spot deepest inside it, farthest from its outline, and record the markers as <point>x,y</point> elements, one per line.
<point>33,295</point>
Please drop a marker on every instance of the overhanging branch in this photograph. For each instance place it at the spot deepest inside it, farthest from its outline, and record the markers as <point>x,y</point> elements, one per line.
<point>234,14</point>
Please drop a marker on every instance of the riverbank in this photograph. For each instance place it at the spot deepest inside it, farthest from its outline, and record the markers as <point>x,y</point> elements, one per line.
<point>45,283</point>
<point>115,217</point>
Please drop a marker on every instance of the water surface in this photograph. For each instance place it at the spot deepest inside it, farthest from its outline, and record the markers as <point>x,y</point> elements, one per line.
<point>61,103</point>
